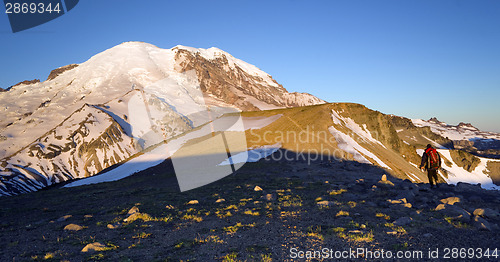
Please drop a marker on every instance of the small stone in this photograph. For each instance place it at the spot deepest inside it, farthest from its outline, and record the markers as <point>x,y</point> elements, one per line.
<point>392,233</point>
<point>63,218</point>
<point>403,221</point>
<point>475,199</point>
<point>257,188</point>
<point>427,235</point>
<point>384,177</point>
<point>386,183</point>
<point>357,232</point>
<point>133,210</point>
<point>464,187</point>
<point>324,203</point>
<point>270,197</point>
<point>169,207</point>
<point>450,200</point>
<point>407,205</point>
<point>92,247</point>
<point>114,225</point>
<point>486,212</point>
<point>73,227</point>
<point>88,216</point>
<point>481,223</point>
<point>456,213</point>
<point>193,202</point>
<point>370,204</point>
<point>220,200</point>
<point>440,207</point>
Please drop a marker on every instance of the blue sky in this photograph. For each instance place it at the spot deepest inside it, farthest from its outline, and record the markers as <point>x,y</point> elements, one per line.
<point>412,58</point>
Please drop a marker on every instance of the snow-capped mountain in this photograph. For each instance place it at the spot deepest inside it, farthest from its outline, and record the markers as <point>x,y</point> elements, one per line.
<point>177,86</point>
<point>462,131</point>
<point>465,136</point>
<point>137,105</point>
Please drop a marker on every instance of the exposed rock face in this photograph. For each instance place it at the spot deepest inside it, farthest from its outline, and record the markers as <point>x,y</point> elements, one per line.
<point>86,143</point>
<point>494,171</point>
<point>465,160</point>
<point>26,82</point>
<point>54,73</point>
<point>418,136</point>
<point>225,79</point>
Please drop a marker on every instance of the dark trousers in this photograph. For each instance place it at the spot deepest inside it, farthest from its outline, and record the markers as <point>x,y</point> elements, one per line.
<point>432,175</point>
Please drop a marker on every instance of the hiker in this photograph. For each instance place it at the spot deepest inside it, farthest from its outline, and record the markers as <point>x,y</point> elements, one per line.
<point>431,161</point>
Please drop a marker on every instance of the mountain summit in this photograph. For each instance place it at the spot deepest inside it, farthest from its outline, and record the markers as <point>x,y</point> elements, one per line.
<point>78,121</point>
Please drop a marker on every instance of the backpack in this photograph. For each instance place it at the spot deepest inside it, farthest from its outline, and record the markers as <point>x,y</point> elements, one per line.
<point>432,158</point>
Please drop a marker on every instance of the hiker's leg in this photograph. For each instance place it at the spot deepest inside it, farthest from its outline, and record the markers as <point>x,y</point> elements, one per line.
<point>436,177</point>
<point>429,176</point>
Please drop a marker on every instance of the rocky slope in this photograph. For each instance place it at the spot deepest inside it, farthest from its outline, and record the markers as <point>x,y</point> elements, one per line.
<point>263,212</point>
<point>88,141</point>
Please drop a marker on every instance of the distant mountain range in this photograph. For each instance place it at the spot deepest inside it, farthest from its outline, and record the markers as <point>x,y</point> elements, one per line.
<point>87,118</point>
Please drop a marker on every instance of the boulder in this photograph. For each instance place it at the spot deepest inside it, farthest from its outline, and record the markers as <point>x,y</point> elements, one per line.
<point>450,200</point>
<point>403,221</point>
<point>481,223</point>
<point>193,202</point>
<point>114,225</point>
<point>269,197</point>
<point>73,227</point>
<point>257,188</point>
<point>454,212</point>
<point>466,187</point>
<point>486,212</point>
<point>324,203</point>
<point>133,210</point>
<point>63,218</point>
<point>92,247</point>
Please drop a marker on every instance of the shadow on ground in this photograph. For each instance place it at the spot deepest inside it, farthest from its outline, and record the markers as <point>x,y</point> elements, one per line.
<point>263,212</point>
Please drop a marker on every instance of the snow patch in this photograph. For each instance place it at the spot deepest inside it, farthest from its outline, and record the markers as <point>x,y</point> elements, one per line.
<point>349,145</point>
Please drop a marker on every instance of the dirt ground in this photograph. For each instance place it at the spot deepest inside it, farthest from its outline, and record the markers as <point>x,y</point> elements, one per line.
<point>266,211</point>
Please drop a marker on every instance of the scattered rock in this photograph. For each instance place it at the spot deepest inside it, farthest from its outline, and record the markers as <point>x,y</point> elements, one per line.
<point>481,223</point>
<point>408,195</point>
<point>403,221</point>
<point>220,200</point>
<point>370,204</point>
<point>464,187</point>
<point>397,201</point>
<point>88,216</point>
<point>427,235</point>
<point>63,218</point>
<point>440,207</point>
<point>257,188</point>
<point>193,202</point>
<point>475,199</point>
<point>114,225</point>
<point>450,200</point>
<point>454,212</point>
<point>269,197</point>
<point>324,203</point>
<point>407,205</point>
<point>92,247</point>
<point>133,210</point>
<point>73,227</point>
<point>135,216</point>
<point>169,207</point>
<point>486,212</point>
<point>384,181</point>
